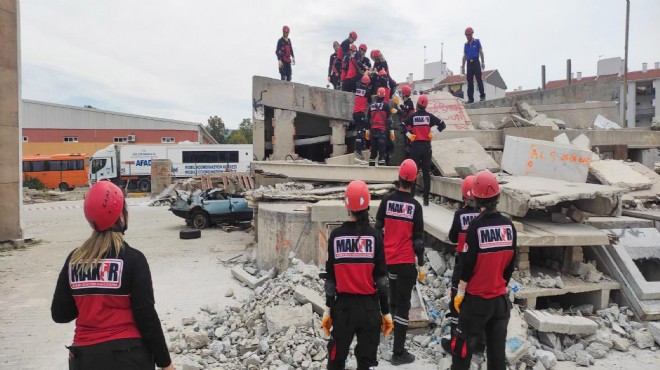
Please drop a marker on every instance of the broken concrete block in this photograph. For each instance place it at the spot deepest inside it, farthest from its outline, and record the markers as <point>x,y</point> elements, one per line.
<point>485,125</point>
<point>527,111</point>
<point>576,215</point>
<point>196,339</point>
<point>521,122</point>
<point>436,261</point>
<point>562,139</point>
<point>516,348</point>
<point>620,344</point>
<point>643,339</point>
<point>305,295</point>
<point>252,281</point>
<point>539,158</point>
<point>544,321</point>
<point>506,122</point>
<point>465,171</point>
<point>654,330</point>
<point>543,121</point>
<point>617,173</point>
<point>280,318</point>
<point>462,152</point>
<point>560,123</point>
<point>559,218</point>
<point>582,142</point>
<point>605,124</point>
<point>597,350</point>
<point>548,359</point>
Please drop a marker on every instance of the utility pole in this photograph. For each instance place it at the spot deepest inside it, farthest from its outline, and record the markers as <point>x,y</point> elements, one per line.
<point>625,70</point>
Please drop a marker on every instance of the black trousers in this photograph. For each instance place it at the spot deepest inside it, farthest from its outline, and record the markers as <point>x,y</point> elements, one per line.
<point>420,152</point>
<point>484,315</point>
<point>128,354</point>
<point>349,84</point>
<point>354,316</point>
<point>285,71</point>
<point>379,140</point>
<point>361,126</point>
<point>455,279</point>
<point>334,80</point>
<point>402,280</point>
<point>474,70</point>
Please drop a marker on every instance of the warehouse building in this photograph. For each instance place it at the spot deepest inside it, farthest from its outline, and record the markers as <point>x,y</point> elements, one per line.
<point>49,128</point>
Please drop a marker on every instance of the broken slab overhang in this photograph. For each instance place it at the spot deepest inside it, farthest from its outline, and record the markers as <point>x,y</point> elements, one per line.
<point>327,172</point>
<point>523,193</point>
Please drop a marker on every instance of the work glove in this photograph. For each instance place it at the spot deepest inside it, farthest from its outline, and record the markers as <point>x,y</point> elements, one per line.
<point>396,100</point>
<point>394,111</point>
<point>458,299</point>
<point>421,273</point>
<point>430,136</point>
<point>326,322</point>
<point>279,64</point>
<point>388,324</point>
<point>462,70</point>
<point>410,136</point>
<point>367,134</point>
<point>391,135</point>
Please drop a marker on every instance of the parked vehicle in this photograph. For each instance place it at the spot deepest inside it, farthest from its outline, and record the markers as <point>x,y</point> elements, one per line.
<point>129,163</point>
<point>57,171</point>
<point>202,209</point>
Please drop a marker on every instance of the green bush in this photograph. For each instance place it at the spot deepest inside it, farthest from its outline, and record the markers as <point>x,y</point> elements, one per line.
<point>33,183</point>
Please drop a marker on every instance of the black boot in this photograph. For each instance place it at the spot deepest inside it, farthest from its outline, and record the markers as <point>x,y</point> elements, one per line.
<point>404,357</point>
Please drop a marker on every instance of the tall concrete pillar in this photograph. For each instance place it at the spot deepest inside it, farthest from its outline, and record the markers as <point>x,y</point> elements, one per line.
<point>631,112</point>
<point>259,138</point>
<point>338,137</point>
<point>284,132</point>
<point>10,130</point>
<point>656,87</point>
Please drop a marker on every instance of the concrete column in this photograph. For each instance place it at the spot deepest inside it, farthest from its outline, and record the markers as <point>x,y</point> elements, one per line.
<point>522,259</point>
<point>284,134</point>
<point>656,101</point>
<point>571,255</point>
<point>10,130</point>
<point>338,137</point>
<point>632,105</point>
<point>259,138</point>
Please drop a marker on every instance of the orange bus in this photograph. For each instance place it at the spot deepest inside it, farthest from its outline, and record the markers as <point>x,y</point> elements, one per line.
<point>58,171</point>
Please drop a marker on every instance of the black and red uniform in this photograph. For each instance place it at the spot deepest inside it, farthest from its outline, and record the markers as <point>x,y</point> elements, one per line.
<point>462,218</point>
<point>419,124</point>
<point>381,64</point>
<point>344,50</point>
<point>387,83</point>
<point>284,52</point>
<point>360,115</point>
<point>380,123</point>
<point>364,63</point>
<point>406,110</point>
<point>488,264</point>
<point>352,73</point>
<point>334,68</point>
<point>401,217</point>
<point>356,292</point>
<point>117,326</point>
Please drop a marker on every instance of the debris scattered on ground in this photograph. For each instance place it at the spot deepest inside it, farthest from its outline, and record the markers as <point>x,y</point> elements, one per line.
<point>31,196</point>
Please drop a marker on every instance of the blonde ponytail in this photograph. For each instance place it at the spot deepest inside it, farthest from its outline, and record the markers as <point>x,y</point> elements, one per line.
<point>96,248</point>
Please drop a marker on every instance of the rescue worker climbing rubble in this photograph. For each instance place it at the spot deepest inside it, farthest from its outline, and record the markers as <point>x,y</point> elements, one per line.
<point>363,60</point>
<point>404,111</point>
<point>401,218</point>
<point>362,99</point>
<point>334,67</point>
<point>418,130</point>
<point>379,61</point>
<point>356,285</point>
<point>488,262</point>
<point>352,70</point>
<point>285,57</point>
<point>380,128</point>
<point>344,49</point>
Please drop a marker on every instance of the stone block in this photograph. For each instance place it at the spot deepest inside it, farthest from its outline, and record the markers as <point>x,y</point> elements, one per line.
<point>465,171</point>
<point>548,359</point>
<point>605,124</point>
<point>437,262</point>
<point>617,173</point>
<point>546,322</point>
<point>543,121</point>
<point>582,142</point>
<point>346,159</point>
<point>305,295</point>
<point>280,318</point>
<point>562,139</point>
<point>538,158</point>
<point>559,218</point>
<point>449,154</point>
<point>252,281</point>
<point>654,330</point>
<point>525,109</point>
<point>522,122</point>
<point>576,215</point>
<point>515,349</point>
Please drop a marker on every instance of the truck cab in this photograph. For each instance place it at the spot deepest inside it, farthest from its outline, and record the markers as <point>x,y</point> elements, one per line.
<point>105,165</point>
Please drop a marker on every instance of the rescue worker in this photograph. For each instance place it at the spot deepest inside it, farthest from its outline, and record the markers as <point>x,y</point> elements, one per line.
<point>363,60</point>
<point>362,98</point>
<point>105,285</point>
<point>488,261</point>
<point>418,131</point>
<point>285,57</point>
<point>402,219</point>
<point>352,70</point>
<point>334,67</point>
<point>406,110</point>
<point>462,218</point>
<point>379,61</point>
<point>344,49</point>
<point>356,285</point>
<point>472,50</point>
<point>380,123</point>
<point>383,80</point>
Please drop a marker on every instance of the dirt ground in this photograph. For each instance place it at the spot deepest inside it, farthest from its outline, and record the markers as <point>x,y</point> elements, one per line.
<point>187,274</point>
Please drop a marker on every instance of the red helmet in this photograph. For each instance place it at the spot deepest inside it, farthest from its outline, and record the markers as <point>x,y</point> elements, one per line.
<point>103,205</point>
<point>285,29</point>
<point>382,72</point>
<point>365,79</point>
<point>353,35</point>
<point>375,54</point>
<point>406,90</point>
<point>352,47</point>
<point>408,170</point>
<point>485,185</point>
<point>466,187</point>
<point>423,101</point>
<point>381,92</point>
<point>357,196</point>
<point>363,47</point>
<point>469,31</point>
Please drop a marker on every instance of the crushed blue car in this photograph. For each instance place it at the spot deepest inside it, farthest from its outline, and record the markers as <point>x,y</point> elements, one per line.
<point>202,209</point>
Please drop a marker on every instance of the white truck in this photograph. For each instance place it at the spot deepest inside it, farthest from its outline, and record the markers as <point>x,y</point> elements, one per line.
<point>131,164</point>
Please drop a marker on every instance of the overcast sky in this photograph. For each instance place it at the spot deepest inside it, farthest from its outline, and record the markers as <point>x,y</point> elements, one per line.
<point>192,59</point>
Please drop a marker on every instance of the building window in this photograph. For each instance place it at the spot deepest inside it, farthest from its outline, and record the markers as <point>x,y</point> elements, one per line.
<point>167,140</point>
<point>119,139</point>
<point>25,139</point>
<point>70,139</point>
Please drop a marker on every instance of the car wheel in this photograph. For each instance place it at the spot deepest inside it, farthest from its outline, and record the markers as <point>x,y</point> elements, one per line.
<point>144,185</point>
<point>200,220</point>
<point>190,234</point>
<point>63,186</point>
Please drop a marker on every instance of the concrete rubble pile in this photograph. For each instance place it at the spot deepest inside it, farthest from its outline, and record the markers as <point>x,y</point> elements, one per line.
<point>526,116</point>
<point>31,196</point>
<point>232,183</point>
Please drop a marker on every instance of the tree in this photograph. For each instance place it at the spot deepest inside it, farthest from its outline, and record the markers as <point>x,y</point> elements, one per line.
<point>236,137</point>
<point>246,129</point>
<point>216,128</point>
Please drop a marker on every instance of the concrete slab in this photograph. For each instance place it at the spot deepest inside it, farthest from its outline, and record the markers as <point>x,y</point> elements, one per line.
<point>448,154</point>
<point>562,139</point>
<point>326,172</point>
<point>247,279</point>
<point>346,159</point>
<point>572,284</point>
<point>305,295</point>
<point>653,215</point>
<point>650,194</point>
<point>582,142</point>
<point>637,244</point>
<point>617,173</point>
<point>335,210</point>
<point>621,222</point>
<point>605,124</point>
<point>546,322</point>
<point>539,133</point>
<point>538,158</point>
<point>449,109</point>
